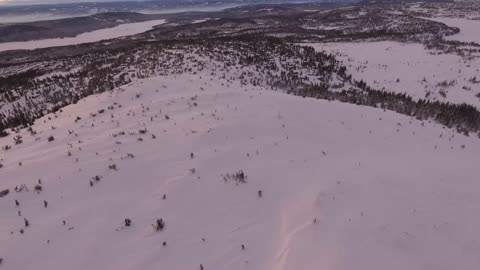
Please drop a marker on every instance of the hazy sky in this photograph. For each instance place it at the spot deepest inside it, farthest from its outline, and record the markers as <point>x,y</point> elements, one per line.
<point>26,2</point>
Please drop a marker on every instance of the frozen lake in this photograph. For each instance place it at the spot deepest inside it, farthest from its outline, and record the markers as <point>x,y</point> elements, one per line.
<point>122,30</point>
<point>469,29</point>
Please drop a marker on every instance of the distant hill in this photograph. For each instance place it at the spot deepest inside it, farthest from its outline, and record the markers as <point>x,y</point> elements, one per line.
<point>68,27</point>
<point>23,11</point>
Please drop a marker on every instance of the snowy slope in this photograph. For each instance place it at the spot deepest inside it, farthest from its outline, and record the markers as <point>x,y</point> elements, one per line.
<point>386,191</point>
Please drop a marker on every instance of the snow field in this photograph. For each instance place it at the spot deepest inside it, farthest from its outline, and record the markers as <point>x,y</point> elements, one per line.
<point>343,187</point>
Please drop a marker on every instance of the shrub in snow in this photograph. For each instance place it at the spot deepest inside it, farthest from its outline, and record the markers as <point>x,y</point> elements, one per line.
<point>38,188</point>
<point>3,133</point>
<point>238,177</point>
<point>32,132</point>
<point>51,138</point>
<point>159,225</point>
<point>4,193</point>
<point>18,139</point>
<point>442,93</point>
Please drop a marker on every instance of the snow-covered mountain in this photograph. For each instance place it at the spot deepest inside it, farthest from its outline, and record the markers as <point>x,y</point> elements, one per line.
<point>242,177</point>
<point>269,137</point>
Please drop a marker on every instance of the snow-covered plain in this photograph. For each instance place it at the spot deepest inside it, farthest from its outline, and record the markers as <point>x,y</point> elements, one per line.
<point>469,29</point>
<point>201,20</point>
<point>121,30</point>
<point>343,187</point>
<point>410,68</point>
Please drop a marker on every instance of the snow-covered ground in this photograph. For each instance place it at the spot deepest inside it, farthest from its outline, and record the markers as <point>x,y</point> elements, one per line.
<point>410,68</point>
<point>343,187</point>
<point>200,20</point>
<point>469,29</point>
<point>122,30</point>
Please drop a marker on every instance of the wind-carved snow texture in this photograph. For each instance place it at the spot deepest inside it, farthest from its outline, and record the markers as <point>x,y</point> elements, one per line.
<point>327,184</point>
<point>122,30</point>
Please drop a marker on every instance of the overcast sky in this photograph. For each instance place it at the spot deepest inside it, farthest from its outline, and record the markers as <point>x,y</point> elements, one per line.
<point>26,2</point>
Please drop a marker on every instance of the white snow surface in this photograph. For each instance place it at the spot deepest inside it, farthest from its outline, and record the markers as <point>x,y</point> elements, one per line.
<point>387,191</point>
<point>469,29</point>
<point>200,20</point>
<point>121,30</point>
<point>410,68</point>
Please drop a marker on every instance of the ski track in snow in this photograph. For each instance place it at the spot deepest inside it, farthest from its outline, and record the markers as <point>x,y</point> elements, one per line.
<point>388,191</point>
<point>285,245</point>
